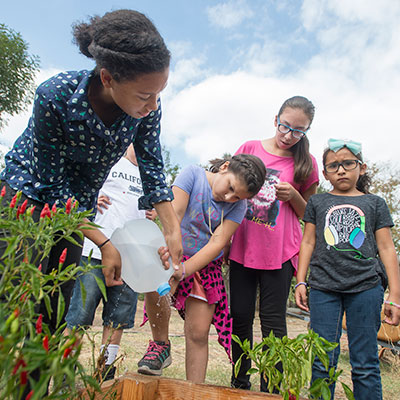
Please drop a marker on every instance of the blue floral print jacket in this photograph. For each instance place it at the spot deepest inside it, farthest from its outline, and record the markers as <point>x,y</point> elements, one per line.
<point>67,151</point>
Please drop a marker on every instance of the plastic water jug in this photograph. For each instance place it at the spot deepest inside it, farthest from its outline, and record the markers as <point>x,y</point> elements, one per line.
<point>138,242</point>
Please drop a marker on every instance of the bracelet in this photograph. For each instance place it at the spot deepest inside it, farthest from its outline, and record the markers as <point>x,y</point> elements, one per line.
<point>392,304</point>
<point>183,271</point>
<point>101,245</point>
<point>301,283</point>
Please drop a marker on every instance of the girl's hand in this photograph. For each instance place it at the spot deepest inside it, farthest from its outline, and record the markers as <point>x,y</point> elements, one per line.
<point>392,314</point>
<point>284,191</point>
<point>111,258</point>
<point>301,297</point>
<point>227,250</point>
<point>173,282</point>
<point>103,202</point>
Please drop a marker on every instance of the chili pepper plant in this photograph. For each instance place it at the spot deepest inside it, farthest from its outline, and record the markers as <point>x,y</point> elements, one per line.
<point>27,346</point>
<point>296,357</point>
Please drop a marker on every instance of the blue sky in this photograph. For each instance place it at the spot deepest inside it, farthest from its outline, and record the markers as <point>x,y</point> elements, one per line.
<point>235,61</point>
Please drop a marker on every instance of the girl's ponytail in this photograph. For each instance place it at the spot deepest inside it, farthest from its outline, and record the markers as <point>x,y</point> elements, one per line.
<point>364,182</point>
<point>301,150</point>
<point>125,42</point>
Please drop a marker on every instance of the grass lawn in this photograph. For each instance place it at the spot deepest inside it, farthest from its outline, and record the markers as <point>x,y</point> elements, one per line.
<point>135,341</point>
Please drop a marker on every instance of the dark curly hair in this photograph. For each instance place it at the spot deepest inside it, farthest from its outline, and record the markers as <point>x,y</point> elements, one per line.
<point>125,42</point>
<point>248,168</point>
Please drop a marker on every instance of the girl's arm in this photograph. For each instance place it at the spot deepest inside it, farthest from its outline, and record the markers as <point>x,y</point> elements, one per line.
<point>286,192</point>
<point>306,250</point>
<point>215,245</point>
<point>387,253</point>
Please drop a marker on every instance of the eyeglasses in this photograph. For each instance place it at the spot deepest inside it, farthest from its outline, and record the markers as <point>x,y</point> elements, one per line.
<point>347,165</point>
<point>296,133</point>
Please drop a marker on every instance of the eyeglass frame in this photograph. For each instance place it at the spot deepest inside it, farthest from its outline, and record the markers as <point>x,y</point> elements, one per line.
<point>340,164</point>
<point>291,130</point>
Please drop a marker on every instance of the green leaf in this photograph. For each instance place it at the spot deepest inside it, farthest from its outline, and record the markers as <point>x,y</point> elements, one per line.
<point>348,392</point>
<point>60,306</point>
<point>326,393</point>
<point>83,292</point>
<point>101,286</point>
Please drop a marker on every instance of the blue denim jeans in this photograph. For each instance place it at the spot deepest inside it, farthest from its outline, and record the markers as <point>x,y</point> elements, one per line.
<point>118,311</point>
<point>363,319</point>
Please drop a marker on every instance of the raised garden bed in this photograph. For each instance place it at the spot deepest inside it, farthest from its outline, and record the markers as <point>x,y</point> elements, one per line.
<point>133,386</point>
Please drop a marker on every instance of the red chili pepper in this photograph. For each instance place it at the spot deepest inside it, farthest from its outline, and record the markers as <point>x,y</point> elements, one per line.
<point>63,256</point>
<point>3,191</point>
<point>54,209</point>
<point>13,201</point>
<point>45,343</point>
<point>23,206</point>
<point>17,365</point>
<point>75,204</point>
<point>68,206</point>
<point>23,297</point>
<point>24,377</point>
<point>40,267</point>
<point>45,211</point>
<point>29,395</point>
<point>32,210</point>
<point>39,324</point>
<point>67,352</point>
<point>16,312</point>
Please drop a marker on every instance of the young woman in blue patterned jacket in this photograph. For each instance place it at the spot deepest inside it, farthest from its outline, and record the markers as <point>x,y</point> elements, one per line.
<point>83,122</point>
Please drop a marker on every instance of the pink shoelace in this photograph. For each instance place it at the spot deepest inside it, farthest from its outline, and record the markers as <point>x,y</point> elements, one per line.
<point>154,350</point>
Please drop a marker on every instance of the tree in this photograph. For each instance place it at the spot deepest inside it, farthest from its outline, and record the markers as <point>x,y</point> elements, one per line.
<point>386,183</point>
<point>17,73</point>
<point>170,170</point>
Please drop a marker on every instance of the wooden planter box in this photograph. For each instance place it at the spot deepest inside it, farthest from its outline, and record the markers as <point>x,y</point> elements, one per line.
<point>133,386</point>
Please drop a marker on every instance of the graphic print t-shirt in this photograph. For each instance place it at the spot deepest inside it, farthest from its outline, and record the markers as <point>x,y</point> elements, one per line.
<point>345,255</point>
<point>203,213</point>
<point>270,234</point>
<point>123,187</point>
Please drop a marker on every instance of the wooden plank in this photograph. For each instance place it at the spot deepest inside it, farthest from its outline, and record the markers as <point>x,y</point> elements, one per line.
<point>168,389</point>
<point>139,387</point>
<point>132,386</point>
<point>183,390</point>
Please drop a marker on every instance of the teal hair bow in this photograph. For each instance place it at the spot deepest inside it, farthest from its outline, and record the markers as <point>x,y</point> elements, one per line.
<point>337,144</point>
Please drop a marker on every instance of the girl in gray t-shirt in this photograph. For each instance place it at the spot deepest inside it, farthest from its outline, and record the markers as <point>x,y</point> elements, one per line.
<point>348,246</point>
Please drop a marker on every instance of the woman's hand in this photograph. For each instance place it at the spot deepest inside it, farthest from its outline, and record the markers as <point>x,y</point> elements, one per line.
<point>285,191</point>
<point>111,259</point>
<point>151,214</point>
<point>301,297</point>
<point>164,254</point>
<point>103,201</point>
<point>174,247</point>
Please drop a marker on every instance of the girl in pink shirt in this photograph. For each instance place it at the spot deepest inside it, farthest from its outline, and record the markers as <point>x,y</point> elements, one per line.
<point>265,247</point>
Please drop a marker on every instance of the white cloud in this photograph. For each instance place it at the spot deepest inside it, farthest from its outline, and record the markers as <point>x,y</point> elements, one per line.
<point>353,79</point>
<point>230,13</point>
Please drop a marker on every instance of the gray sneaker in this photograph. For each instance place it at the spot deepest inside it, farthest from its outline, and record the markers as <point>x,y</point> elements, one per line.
<point>157,357</point>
